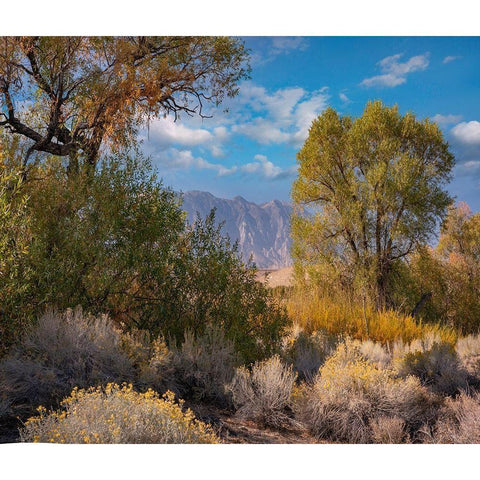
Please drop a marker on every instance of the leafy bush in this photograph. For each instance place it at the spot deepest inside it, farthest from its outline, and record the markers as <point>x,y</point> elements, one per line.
<point>104,240</point>
<point>115,241</point>
<point>349,393</point>
<point>14,244</point>
<point>117,414</point>
<point>307,352</point>
<point>434,362</point>
<point>264,393</point>
<point>60,352</point>
<point>459,420</point>
<point>214,286</point>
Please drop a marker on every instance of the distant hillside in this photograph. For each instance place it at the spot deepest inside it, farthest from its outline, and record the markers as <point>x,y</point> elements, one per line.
<point>262,230</point>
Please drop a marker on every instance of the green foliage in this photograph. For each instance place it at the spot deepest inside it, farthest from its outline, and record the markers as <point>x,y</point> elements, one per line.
<point>213,285</point>
<point>14,245</point>
<point>105,242</point>
<point>450,273</point>
<point>115,241</point>
<point>376,185</point>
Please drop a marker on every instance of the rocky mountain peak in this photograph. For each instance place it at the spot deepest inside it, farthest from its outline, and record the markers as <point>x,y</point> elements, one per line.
<point>262,231</point>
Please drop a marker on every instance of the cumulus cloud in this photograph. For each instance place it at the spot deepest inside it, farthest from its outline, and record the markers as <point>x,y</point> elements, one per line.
<point>443,120</point>
<point>450,58</point>
<point>282,116</point>
<point>266,169</point>
<point>164,133</point>
<point>283,45</point>
<point>394,71</point>
<point>467,133</point>
<point>267,49</point>
<point>175,159</point>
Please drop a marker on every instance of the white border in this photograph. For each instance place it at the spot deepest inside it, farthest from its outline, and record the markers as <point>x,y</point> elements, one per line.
<point>245,17</point>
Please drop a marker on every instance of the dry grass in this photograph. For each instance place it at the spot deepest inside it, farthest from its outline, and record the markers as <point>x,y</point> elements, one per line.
<point>468,350</point>
<point>315,312</point>
<point>62,351</point>
<point>350,393</point>
<point>434,361</point>
<point>264,393</point>
<point>459,421</point>
<point>282,277</point>
<point>117,415</point>
<point>389,430</point>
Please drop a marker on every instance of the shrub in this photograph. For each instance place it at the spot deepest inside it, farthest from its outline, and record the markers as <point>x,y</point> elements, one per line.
<point>204,364</point>
<point>264,393</point>
<point>349,393</point>
<point>434,362</point>
<point>307,352</point>
<point>60,352</point>
<point>459,420</point>
<point>388,430</point>
<point>214,286</point>
<point>117,414</point>
<point>468,350</point>
<point>375,353</point>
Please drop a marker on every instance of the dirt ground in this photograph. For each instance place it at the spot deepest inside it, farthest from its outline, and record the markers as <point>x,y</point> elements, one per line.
<point>276,278</point>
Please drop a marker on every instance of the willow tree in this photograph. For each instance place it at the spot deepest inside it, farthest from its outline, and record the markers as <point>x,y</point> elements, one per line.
<point>68,95</point>
<point>376,187</point>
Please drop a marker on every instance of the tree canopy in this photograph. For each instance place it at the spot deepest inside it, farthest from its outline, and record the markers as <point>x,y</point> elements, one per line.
<point>68,95</point>
<point>376,184</point>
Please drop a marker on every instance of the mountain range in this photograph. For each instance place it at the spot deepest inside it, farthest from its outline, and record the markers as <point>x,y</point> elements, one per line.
<point>262,231</point>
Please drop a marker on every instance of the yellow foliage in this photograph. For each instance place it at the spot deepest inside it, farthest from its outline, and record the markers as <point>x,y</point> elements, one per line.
<point>118,414</point>
<point>315,312</point>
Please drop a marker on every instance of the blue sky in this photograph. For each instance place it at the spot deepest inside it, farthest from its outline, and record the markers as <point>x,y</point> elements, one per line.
<point>251,149</point>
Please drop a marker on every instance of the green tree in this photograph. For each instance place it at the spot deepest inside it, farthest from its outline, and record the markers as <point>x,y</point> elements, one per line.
<point>68,95</point>
<point>106,242</point>
<point>214,285</point>
<point>14,244</point>
<point>376,187</point>
<point>450,273</point>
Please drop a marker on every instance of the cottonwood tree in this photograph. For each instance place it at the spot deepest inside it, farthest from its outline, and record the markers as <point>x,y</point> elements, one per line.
<point>68,95</point>
<point>376,185</point>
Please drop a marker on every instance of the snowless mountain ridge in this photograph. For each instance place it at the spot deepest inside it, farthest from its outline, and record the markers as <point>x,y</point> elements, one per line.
<point>262,231</point>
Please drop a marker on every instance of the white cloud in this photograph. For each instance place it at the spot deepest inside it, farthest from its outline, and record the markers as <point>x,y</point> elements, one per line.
<point>266,169</point>
<point>279,117</point>
<point>175,159</point>
<point>467,133</point>
<point>262,131</point>
<point>166,132</point>
<point>446,119</point>
<point>282,45</point>
<point>450,58</point>
<point>343,97</point>
<point>394,72</point>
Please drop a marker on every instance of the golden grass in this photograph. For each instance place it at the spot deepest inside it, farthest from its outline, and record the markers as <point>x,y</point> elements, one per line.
<point>316,312</point>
